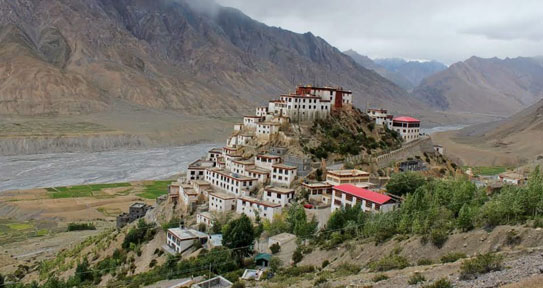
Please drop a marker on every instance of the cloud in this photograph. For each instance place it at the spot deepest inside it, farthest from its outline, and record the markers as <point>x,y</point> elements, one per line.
<point>447,31</point>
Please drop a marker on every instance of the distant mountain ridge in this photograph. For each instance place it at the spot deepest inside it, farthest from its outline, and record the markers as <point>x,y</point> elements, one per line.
<point>486,86</point>
<point>196,57</point>
<point>406,74</point>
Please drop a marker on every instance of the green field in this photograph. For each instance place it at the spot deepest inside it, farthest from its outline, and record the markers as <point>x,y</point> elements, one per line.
<point>155,189</point>
<point>491,170</point>
<point>82,190</point>
<point>12,231</point>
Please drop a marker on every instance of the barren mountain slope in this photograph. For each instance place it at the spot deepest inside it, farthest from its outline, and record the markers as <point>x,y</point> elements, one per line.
<point>70,57</point>
<point>487,86</point>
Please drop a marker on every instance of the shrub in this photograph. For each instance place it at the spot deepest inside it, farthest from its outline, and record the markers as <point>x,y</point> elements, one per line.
<point>142,233</point>
<point>152,263</point>
<point>416,278</point>
<point>297,256</point>
<point>275,248</point>
<point>390,262</point>
<point>439,236</point>
<point>275,263</point>
<point>441,283</point>
<point>425,261</point>
<point>325,263</point>
<point>296,271</point>
<point>481,264</point>
<point>452,257</point>
<point>320,281</point>
<point>347,269</point>
<point>379,277</point>
<point>238,284</point>
<point>513,238</point>
<point>81,226</point>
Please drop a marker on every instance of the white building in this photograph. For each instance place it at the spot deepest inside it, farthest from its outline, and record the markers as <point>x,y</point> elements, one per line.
<point>241,166</point>
<point>204,218</point>
<point>262,175</point>
<point>337,96</point>
<point>214,154</point>
<point>202,187</point>
<point>306,107</point>
<point>251,121</point>
<point>277,108</point>
<point>283,174</point>
<point>278,195</point>
<point>266,129</point>
<point>408,127</point>
<point>347,176</point>
<point>181,240</point>
<point>221,202</point>
<point>261,111</point>
<point>197,169</point>
<point>512,178</point>
<point>348,195</point>
<point>318,188</point>
<point>188,195</point>
<point>381,117</point>
<point>266,161</point>
<point>251,207</point>
<point>230,182</point>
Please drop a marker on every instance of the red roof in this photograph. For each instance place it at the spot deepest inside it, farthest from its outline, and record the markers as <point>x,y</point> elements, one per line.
<point>363,193</point>
<point>406,119</point>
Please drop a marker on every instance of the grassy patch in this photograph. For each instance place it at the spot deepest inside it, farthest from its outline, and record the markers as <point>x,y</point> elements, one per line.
<point>452,257</point>
<point>481,264</point>
<point>154,189</point>
<point>488,170</point>
<point>81,190</point>
<point>20,226</point>
<point>42,232</point>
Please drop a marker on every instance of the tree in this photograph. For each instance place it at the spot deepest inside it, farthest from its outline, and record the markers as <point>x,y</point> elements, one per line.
<point>275,248</point>
<point>297,222</point>
<point>465,218</point>
<point>404,183</point>
<point>239,235</point>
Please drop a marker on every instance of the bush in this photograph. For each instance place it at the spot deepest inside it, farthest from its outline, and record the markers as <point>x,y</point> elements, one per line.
<point>481,264</point>
<point>416,278</point>
<point>379,277</point>
<point>390,262</point>
<point>297,256</point>
<point>425,261</point>
<point>81,226</point>
<point>439,236</point>
<point>320,281</point>
<point>513,238</point>
<point>275,248</point>
<point>152,263</point>
<point>142,233</point>
<point>275,264</point>
<point>325,263</point>
<point>238,284</point>
<point>452,257</point>
<point>296,271</point>
<point>441,283</point>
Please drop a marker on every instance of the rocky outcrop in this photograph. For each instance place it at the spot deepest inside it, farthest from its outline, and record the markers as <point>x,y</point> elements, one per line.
<point>58,144</point>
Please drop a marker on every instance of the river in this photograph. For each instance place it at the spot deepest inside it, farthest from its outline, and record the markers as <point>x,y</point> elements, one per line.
<point>437,129</point>
<point>62,169</point>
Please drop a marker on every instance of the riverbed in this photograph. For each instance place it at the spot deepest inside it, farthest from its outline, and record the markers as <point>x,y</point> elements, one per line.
<point>63,169</point>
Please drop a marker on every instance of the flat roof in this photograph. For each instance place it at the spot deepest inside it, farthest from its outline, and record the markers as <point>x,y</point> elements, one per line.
<point>258,201</point>
<point>258,170</point>
<point>269,156</point>
<point>215,150</point>
<point>228,174</point>
<point>201,183</point>
<point>284,166</point>
<point>200,164</point>
<point>244,162</point>
<point>223,196</point>
<point>317,185</point>
<point>187,234</point>
<point>348,172</point>
<point>406,119</point>
<point>280,190</point>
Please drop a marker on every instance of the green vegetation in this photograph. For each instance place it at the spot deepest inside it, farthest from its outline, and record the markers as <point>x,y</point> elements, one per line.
<point>297,256</point>
<point>441,283</point>
<point>154,189</point>
<point>81,190</point>
<point>142,233</point>
<point>390,262</point>
<point>481,264</point>
<point>416,278</point>
<point>275,248</point>
<point>20,226</point>
<point>293,220</point>
<point>491,170</point>
<point>424,261</point>
<point>436,208</point>
<point>239,234</point>
<point>452,257</point>
<point>379,277</point>
<point>405,183</point>
<point>81,226</point>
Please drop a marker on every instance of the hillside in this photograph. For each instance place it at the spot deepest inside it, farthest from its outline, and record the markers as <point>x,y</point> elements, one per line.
<point>393,76</point>
<point>512,141</point>
<point>485,86</point>
<point>73,57</point>
<point>413,71</point>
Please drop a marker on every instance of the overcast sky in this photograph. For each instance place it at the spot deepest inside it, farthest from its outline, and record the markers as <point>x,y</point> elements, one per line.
<point>447,31</point>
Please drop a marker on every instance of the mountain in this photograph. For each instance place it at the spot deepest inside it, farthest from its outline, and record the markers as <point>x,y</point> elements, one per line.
<point>195,57</point>
<point>486,86</point>
<point>413,71</point>
<point>367,63</point>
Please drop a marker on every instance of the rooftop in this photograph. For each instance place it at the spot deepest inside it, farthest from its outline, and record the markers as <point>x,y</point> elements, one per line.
<point>363,193</point>
<point>258,170</point>
<point>269,156</point>
<point>182,233</point>
<point>258,201</point>
<point>215,150</point>
<point>138,205</point>
<point>348,172</point>
<point>406,119</point>
<point>201,183</point>
<point>223,196</point>
<point>284,166</point>
<point>231,175</point>
<point>316,185</point>
<point>280,190</point>
<point>201,164</point>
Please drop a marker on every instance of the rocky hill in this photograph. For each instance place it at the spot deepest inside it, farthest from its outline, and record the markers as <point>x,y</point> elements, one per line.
<point>195,57</point>
<point>486,86</point>
<point>413,71</point>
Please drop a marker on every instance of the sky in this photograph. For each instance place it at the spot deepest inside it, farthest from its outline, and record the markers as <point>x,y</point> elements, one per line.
<point>446,31</point>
